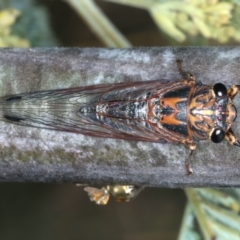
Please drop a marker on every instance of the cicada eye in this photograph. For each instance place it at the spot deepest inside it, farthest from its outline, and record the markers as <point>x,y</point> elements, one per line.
<point>220,90</point>
<point>217,135</point>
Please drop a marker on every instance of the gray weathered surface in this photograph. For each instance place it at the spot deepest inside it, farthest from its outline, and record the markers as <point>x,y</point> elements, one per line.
<point>28,154</point>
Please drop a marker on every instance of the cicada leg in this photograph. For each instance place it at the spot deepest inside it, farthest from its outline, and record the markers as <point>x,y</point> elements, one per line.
<point>231,138</point>
<point>233,91</point>
<point>191,146</point>
<point>185,75</point>
<point>188,168</point>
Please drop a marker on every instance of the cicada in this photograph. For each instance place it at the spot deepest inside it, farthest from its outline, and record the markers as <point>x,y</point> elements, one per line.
<point>183,111</point>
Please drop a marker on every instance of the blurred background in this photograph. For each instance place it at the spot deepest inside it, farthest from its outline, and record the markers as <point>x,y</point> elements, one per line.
<point>63,211</point>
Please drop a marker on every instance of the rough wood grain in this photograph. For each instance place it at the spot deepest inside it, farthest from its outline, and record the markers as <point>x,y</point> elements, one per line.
<point>28,154</point>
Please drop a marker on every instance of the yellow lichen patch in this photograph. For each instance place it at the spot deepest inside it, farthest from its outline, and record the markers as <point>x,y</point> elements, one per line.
<point>7,39</point>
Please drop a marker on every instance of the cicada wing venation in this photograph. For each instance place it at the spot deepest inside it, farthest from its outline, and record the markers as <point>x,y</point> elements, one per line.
<point>60,110</point>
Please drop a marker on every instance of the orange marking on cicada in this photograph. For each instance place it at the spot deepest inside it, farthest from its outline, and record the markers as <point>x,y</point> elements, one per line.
<point>171,119</point>
<point>171,102</point>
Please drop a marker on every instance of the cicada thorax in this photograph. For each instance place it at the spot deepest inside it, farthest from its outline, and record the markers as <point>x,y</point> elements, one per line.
<point>187,111</point>
<point>174,111</point>
<point>201,112</point>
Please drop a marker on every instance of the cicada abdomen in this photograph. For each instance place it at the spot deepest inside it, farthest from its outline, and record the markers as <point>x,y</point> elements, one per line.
<point>183,111</point>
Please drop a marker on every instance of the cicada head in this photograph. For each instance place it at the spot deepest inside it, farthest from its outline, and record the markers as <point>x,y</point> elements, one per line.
<point>212,113</point>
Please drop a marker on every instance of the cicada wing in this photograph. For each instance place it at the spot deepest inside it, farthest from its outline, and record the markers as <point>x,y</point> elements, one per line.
<point>60,110</point>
